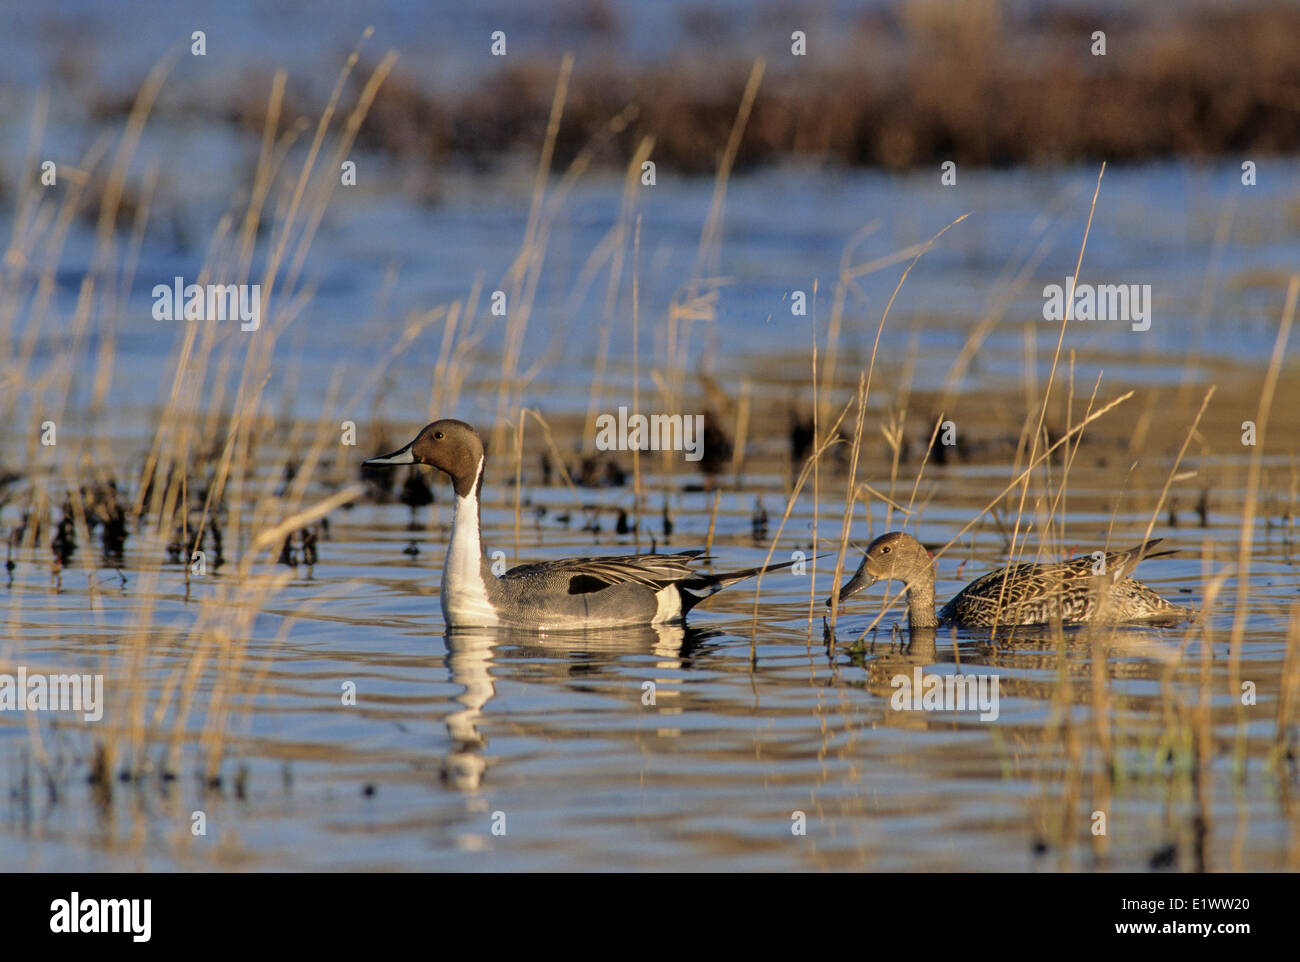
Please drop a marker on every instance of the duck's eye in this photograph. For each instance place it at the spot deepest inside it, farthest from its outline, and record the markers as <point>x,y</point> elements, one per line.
<point>437,435</point>
<point>884,550</point>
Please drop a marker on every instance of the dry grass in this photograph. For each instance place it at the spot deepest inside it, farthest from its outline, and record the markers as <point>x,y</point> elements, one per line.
<point>203,480</point>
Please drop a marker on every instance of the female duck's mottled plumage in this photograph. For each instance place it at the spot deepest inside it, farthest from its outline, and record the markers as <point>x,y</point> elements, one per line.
<point>607,592</point>
<point>1089,588</point>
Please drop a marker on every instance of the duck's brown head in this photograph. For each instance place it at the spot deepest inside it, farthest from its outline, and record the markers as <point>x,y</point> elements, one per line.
<point>451,446</point>
<point>896,556</point>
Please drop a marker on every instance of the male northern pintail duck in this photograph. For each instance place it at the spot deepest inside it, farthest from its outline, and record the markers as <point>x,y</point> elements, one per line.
<point>643,589</point>
<point>1083,589</point>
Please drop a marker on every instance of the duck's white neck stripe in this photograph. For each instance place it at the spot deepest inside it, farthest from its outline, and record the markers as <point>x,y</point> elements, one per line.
<point>464,594</point>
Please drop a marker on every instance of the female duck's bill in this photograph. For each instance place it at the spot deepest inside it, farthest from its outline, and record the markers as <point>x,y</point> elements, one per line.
<point>1088,588</point>
<point>860,581</point>
<point>602,592</point>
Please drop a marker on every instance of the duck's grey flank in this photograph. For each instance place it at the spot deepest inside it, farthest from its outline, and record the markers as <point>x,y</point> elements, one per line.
<point>597,592</point>
<point>1077,591</point>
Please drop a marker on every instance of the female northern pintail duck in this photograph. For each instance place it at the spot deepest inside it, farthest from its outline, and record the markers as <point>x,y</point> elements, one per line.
<point>644,589</point>
<point>1083,589</point>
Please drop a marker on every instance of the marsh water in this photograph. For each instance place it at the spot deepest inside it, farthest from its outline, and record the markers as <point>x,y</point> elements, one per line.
<point>743,741</point>
<point>551,738</point>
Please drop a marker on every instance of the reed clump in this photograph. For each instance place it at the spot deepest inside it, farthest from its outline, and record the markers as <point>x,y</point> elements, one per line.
<point>907,85</point>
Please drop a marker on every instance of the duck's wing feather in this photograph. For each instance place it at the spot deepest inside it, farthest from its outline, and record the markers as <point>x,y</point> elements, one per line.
<point>1116,566</point>
<point>1034,593</point>
<point>648,570</point>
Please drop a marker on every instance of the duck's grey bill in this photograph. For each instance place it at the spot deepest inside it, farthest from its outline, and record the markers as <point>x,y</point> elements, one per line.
<point>401,456</point>
<point>851,587</point>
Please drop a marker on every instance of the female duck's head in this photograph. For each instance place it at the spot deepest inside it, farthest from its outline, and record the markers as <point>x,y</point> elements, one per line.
<point>896,556</point>
<point>451,446</point>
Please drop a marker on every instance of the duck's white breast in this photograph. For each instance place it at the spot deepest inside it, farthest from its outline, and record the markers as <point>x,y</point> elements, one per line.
<point>465,601</point>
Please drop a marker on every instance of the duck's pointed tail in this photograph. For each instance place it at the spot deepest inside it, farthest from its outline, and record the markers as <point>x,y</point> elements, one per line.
<point>700,586</point>
<point>1122,563</point>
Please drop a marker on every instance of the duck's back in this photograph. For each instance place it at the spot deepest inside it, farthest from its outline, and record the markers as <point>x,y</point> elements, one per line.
<point>1079,590</point>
